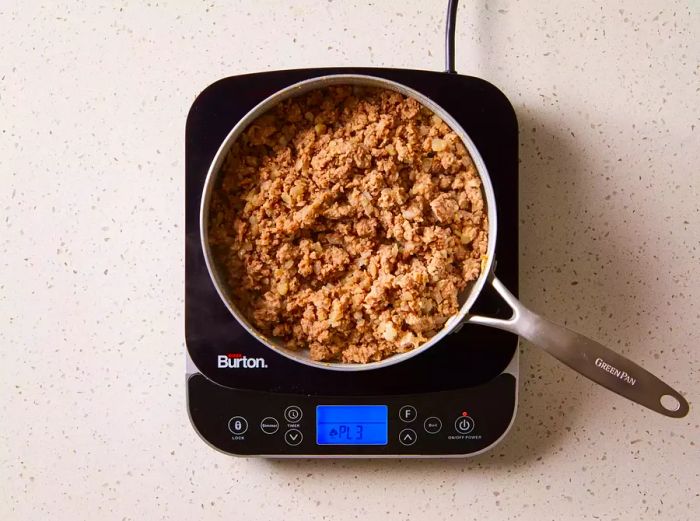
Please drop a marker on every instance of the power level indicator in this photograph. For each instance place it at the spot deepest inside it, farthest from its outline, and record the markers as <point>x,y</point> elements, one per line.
<point>351,424</point>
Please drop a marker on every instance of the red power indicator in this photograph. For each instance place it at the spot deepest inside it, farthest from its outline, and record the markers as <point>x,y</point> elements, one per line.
<point>464,413</point>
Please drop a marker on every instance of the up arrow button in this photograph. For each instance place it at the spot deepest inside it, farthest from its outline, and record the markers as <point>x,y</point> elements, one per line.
<point>408,437</point>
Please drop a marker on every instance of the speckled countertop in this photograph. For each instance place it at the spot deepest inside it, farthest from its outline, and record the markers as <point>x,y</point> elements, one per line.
<point>93,100</point>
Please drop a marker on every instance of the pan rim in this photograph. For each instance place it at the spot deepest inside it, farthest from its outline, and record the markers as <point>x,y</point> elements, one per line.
<point>300,88</point>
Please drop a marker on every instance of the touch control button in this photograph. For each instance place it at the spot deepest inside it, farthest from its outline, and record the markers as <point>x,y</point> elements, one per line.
<point>238,425</point>
<point>269,425</point>
<point>408,437</point>
<point>293,414</point>
<point>432,425</point>
<point>407,413</point>
<point>293,437</point>
<point>464,424</point>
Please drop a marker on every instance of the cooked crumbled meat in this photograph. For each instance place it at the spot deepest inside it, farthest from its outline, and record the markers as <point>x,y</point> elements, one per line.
<point>347,221</point>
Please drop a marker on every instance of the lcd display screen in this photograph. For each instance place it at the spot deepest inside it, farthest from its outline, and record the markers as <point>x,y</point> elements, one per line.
<point>351,424</point>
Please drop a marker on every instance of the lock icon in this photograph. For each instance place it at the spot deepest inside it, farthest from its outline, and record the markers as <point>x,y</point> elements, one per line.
<point>237,425</point>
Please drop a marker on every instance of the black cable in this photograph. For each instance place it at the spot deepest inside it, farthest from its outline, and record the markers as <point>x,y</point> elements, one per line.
<point>450,36</point>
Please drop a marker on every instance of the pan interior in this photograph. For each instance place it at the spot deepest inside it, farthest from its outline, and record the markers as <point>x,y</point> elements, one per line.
<point>466,298</point>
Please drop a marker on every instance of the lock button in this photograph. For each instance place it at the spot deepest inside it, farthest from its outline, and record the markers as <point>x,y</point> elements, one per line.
<point>238,425</point>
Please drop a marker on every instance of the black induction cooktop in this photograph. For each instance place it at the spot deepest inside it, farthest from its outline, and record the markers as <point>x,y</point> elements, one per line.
<point>240,393</point>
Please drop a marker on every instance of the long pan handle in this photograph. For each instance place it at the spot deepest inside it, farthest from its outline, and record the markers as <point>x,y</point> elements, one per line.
<point>589,358</point>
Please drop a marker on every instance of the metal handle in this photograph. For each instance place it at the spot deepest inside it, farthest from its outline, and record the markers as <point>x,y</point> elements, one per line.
<point>594,361</point>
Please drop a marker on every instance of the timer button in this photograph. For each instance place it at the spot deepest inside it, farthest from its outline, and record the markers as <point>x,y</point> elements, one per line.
<point>238,425</point>
<point>407,413</point>
<point>269,425</point>
<point>293,437</point>
<point>408,437</point>
<point>464,424</point>
<point>293,414</point>
<point>432,425</point>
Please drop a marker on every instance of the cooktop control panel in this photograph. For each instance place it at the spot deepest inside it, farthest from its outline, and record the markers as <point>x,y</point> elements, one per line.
<point>443,423</point>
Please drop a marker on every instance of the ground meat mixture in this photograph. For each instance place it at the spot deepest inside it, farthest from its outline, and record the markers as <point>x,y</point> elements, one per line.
<point>347,221</point>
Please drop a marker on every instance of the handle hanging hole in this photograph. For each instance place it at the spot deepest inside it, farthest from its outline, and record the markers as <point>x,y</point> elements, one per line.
<point>670,403</point>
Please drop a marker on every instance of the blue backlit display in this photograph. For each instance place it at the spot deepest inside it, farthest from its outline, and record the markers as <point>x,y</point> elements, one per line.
<point>351,424</point>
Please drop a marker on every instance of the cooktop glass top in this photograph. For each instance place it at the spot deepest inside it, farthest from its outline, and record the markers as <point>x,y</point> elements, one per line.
<point>225,353</point>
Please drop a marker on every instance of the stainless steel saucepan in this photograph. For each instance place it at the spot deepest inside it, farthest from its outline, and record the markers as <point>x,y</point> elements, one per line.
<point>582,354</point>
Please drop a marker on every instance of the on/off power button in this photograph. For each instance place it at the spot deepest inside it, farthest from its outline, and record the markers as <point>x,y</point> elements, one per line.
<point>464,424</point>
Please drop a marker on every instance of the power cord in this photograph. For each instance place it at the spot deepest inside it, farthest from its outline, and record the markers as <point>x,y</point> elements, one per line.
<point>450,36</point>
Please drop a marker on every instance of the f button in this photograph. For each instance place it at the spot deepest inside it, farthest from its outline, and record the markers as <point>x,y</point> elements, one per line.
<point>407,413</point>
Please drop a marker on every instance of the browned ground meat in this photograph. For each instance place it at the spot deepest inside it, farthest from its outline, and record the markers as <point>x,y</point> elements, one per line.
<point>347,221</point>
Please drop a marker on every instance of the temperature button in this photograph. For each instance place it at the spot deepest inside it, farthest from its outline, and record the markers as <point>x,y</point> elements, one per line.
<point>238,425</point>
<point>464,424</point>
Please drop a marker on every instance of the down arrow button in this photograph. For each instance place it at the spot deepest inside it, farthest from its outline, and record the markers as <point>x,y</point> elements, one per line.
<point>293,437</point>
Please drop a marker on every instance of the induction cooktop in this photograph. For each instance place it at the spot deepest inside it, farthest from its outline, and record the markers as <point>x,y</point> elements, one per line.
<point>456,399</point>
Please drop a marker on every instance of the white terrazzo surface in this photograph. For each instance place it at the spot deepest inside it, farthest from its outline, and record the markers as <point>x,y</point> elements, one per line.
<point>93,100</point>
